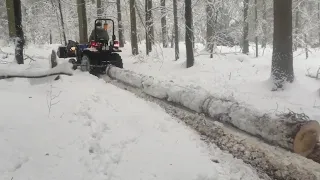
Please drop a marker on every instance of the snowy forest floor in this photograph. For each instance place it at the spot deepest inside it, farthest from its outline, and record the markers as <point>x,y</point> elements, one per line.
<point>82,128</point>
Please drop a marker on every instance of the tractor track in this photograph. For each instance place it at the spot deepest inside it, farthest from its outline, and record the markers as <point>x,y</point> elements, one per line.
<point>270,162</point>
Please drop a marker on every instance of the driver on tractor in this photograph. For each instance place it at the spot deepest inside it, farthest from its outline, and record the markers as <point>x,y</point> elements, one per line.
<point>102,33</point>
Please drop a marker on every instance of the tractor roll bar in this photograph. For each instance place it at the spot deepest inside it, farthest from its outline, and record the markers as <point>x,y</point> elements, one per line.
<point>103,19</point>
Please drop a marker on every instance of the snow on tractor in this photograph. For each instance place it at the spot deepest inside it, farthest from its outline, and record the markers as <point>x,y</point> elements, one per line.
<point>96,55</point>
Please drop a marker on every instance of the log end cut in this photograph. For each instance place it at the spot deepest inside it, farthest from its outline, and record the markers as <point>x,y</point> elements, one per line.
<point>306,138</point>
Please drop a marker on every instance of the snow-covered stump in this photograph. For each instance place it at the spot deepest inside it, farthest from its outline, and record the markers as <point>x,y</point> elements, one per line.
<point>290,131</point>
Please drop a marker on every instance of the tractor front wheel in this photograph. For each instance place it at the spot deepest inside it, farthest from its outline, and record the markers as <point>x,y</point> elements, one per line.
<point>85,63</point>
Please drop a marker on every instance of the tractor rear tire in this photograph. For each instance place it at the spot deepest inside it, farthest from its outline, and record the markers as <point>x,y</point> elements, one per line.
<point>117,60</point>
<point>85,63</point>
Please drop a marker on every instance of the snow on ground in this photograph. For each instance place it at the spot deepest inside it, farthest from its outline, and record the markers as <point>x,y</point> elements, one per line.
<point>244,78</point>
<point>82,128</point>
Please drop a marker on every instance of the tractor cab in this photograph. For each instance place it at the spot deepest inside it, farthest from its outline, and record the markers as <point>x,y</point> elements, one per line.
<point>99,38</point>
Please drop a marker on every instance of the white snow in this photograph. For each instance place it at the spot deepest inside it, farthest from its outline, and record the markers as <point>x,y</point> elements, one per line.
<point>79,127</point>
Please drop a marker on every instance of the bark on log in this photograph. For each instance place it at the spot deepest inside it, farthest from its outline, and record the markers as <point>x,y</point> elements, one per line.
<point>290,131</point>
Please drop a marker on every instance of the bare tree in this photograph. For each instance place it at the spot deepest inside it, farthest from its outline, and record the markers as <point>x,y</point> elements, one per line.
<point>256,27</point>
<point>210,24</point>
<point>134,39</point>
<point>282,58</point>
<point>99,9</point>
<point>189,33</point>
<point>164,23</point>
<point>10,15</point>
<point>62,23</point>
<point>245,49</point>
<point>19,43</point>
<point>264,24</point>
<point>82,18</point>
<point>176,29</point>
<point>149,24</point>
<point>120,26</point>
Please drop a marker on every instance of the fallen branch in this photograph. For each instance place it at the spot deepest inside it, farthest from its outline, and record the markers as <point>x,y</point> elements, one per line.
<point>216,53</point>
<point>34,76</point>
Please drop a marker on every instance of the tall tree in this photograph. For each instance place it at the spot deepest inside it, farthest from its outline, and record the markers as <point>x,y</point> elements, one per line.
<point>282,58</point>
<point>164,23</point>
<point>210,24</point>
<point>189,33</point>
<point>319,22</point>
<point>62,23</point>
<point>99,9</point>
<point>245,49</point>
<point>256,27</point>
<point>10,14</point>
<point>120,26</point>
<point>19,32</point>
<point>82,18</point>
<point>176,29</point>
<point>133,22</point>
<point>297,30</point>
<point>149,24</point>
<point>264,24</point>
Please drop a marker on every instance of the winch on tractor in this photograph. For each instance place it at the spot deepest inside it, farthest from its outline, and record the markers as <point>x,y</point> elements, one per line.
<point>96,55</point>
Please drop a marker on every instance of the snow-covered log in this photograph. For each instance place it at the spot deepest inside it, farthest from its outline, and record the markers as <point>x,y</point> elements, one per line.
<point>61,69</point>
<point>291,131</point>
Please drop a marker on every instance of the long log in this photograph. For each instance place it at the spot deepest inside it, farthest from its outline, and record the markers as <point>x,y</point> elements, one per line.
<point>291,131</point>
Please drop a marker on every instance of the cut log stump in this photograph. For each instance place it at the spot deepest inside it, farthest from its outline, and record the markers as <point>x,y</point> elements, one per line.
<point>306,140</point>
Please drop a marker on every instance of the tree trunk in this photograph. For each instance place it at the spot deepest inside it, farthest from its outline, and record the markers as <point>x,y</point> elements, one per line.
<point>245,49</point>
<point>120,26</point>
<point>62,23</point>
<point>318,22</point>
<point>99,9</point>
<point>50,38</point>
<point>189,33</point>
<point>172,38</point>
<point>164,23</point>
<point>297,30</point>
<point>11,18</point>
<point>264,25</point>
<point>256,27</point>
<point>176,30</point>
<point>210,24</point>
<point>134,40</point>
<point>82,18</point>
<point>19,32</point>
<point>291,131</point>
<point>282,58</point>
<point>306,45</point>
<point>152,37</point>
<point>149,24</point>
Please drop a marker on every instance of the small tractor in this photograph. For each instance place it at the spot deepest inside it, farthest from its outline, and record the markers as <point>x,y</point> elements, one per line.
<point>94,56</point>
